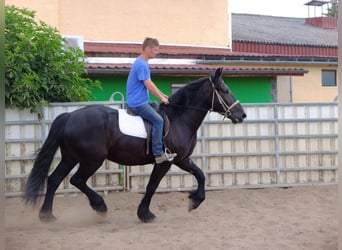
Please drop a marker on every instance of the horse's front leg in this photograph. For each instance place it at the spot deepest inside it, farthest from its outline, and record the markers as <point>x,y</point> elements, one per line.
<point>196,197</point>
<point>158,172</point>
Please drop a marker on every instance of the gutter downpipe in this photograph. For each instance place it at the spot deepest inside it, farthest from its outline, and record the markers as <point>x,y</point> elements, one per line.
<point>291,90</point>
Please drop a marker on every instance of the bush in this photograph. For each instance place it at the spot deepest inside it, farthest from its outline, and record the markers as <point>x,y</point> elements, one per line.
<point>39,67</point>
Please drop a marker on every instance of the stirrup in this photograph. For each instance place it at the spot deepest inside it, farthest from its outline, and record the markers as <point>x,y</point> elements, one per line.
<point>170,156</point>
<point>166,156</point>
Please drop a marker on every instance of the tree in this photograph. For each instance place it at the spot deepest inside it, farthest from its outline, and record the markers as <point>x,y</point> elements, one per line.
<point>39,67</point>
<point>332,11</point>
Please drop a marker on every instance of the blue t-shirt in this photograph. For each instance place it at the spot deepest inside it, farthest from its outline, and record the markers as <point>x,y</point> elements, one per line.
<point>136,92</point>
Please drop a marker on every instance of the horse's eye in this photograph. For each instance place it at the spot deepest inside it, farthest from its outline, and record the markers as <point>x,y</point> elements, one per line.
<point>224,90</point>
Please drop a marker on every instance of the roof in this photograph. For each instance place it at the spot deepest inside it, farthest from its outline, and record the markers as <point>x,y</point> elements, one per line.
<point>134,49</point>
<point>269,30</point>
<point>128,50</point>
<point>317,2</point>
<point>280,30</point>
<point>196,69</point>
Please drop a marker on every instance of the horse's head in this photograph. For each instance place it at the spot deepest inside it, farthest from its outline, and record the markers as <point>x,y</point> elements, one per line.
<point>223,101</point>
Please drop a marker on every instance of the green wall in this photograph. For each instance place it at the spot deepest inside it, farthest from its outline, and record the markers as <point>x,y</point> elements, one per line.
<point>246,89</point>
<point>251,89</point>
<point>110,84</point>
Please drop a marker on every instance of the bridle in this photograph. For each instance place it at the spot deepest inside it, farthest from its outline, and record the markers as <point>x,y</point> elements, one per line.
<point>227,109</point>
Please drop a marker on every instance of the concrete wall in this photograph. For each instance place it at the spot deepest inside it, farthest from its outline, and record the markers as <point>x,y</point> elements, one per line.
<point>195,22</point>
<point>309,88</point>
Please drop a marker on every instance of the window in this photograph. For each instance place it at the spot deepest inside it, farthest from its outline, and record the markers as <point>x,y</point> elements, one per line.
<point>328,77</point>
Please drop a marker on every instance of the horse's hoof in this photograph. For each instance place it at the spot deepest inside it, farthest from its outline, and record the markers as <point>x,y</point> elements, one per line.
<point>148,220</point>
<point>194,202</point>
<point>47,217</point>
<point>146,217</point>
<point>100,208</point>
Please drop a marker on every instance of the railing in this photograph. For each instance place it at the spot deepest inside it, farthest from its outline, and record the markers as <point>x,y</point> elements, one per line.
<point>278,145</point>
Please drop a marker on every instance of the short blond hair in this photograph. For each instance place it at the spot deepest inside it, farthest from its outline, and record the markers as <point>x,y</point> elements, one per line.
<point>148,42</point>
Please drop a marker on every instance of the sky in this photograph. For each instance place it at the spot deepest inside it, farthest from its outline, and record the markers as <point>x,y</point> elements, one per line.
<point>286,8</point>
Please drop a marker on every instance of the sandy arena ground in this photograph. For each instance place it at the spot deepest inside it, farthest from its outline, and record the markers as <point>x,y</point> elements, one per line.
<point>275,219</point>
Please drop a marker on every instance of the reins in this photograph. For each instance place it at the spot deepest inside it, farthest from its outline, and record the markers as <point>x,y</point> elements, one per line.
<point>227,109</point>
<point>189,107</point>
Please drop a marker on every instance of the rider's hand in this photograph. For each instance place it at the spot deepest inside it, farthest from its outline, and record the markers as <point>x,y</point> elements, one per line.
<point>165,100</point>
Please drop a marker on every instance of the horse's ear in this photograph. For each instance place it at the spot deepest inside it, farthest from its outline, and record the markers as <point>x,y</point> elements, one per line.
<point>218,74</point>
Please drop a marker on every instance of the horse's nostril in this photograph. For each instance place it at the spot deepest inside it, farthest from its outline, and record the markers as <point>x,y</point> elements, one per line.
<point>243,116</point>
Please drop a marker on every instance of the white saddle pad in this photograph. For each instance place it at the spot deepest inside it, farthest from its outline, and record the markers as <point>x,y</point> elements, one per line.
<point>131,125</point>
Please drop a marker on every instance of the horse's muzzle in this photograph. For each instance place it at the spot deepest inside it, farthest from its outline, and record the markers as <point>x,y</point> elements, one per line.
<point>238,119</point>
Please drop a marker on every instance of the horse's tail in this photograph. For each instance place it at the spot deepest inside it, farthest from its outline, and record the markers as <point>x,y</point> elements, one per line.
<point>36,181</point>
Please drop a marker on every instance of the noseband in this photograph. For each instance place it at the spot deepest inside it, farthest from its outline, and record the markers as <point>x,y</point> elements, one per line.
<point>227,109</point>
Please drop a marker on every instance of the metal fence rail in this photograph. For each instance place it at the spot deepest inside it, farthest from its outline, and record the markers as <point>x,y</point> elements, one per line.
<point>278,145</point>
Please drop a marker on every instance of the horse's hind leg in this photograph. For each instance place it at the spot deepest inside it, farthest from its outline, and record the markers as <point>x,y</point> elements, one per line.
<point>158,172</point>
<point>54,180</point>
<point>79,180</point>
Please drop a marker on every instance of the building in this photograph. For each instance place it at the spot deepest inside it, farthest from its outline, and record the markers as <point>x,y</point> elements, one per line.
<point>308,43</point>
<point>178,65</point>
<point>195,41</point>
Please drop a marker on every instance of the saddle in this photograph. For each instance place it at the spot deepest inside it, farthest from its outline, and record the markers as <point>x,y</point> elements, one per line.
<point>134,125</point>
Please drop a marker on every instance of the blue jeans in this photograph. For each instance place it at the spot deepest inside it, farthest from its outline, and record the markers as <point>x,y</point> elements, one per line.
<point>149,114</point>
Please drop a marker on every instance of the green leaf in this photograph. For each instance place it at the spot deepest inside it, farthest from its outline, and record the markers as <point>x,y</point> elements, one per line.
<point>38,69</point>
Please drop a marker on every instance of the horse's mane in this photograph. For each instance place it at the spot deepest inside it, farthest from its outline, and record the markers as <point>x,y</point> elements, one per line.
<point>182,97</point>
<point>186,93</point>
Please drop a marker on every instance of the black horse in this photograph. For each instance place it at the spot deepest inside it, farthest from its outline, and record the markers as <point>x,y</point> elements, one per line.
<point>90,135</point>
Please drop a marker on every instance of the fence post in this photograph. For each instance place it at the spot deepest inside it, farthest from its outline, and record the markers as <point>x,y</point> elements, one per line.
<point>44,118</point>
<point>276,137</point>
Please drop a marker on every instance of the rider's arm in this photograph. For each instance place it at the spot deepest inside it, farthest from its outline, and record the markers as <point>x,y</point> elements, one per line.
<point>156,91</point>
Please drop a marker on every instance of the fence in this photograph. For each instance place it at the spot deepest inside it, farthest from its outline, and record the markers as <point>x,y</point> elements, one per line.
<point>278,145</point>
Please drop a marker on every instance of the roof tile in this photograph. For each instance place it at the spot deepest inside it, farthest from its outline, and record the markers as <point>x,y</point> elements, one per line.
<point>281,30</point>
<point>92,48</point>
<point>196,69</point>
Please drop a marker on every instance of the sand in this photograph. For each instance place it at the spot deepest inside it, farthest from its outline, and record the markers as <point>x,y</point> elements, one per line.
<point>275,218</point>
